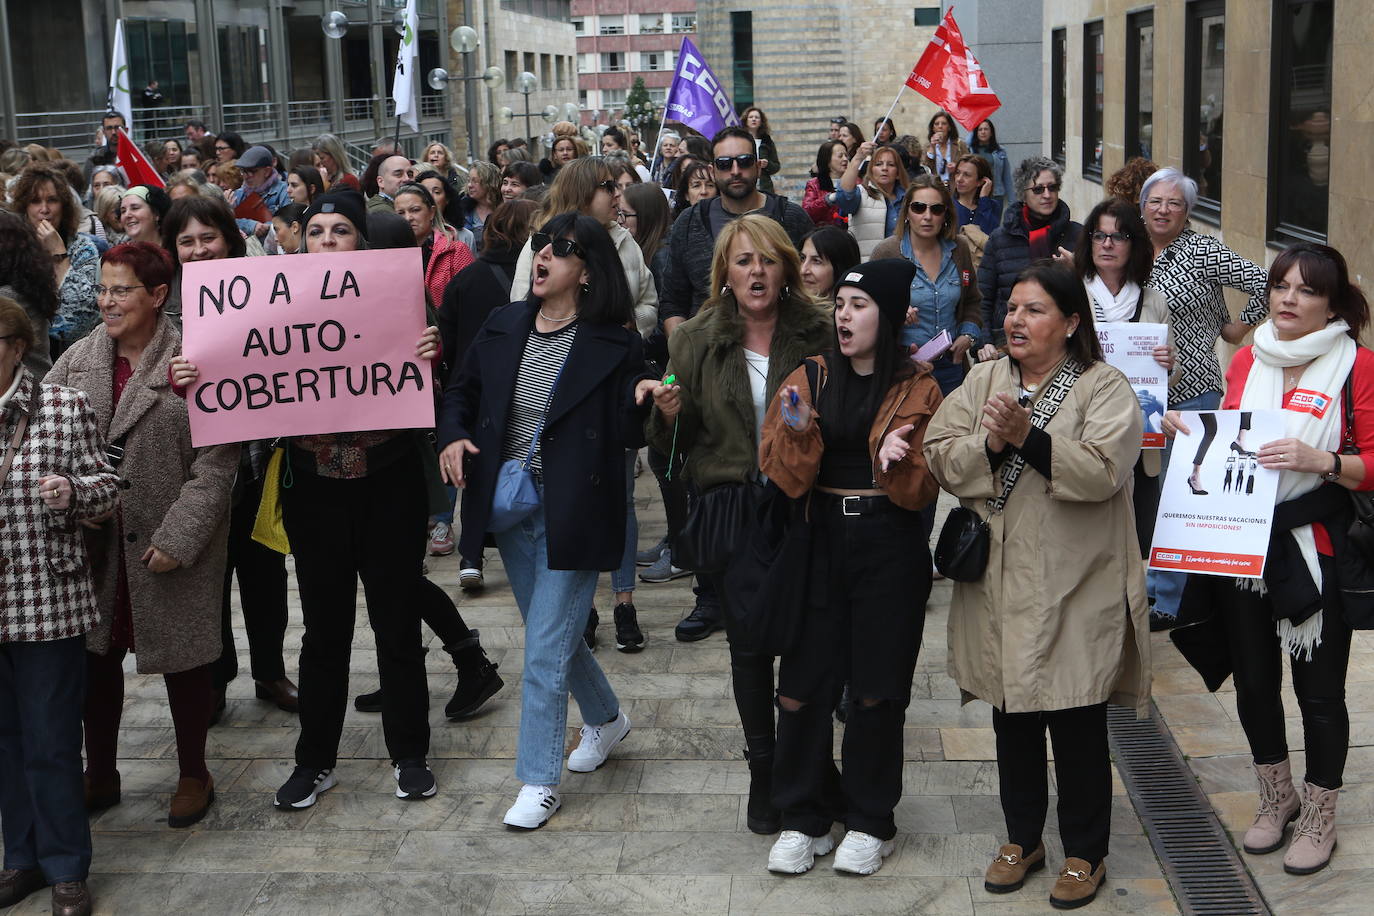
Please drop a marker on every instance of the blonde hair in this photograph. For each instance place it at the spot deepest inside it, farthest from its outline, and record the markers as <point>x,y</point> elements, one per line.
<point>489,177</point>
<point>448,154</point>
<point>772,242</point>
<point>902,178</point>
<point>573,188</point>
<point>564,129</point>
<point>106,202</point>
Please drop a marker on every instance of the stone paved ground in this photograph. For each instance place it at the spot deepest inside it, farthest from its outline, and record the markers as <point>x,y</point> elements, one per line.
<point>659,829</point>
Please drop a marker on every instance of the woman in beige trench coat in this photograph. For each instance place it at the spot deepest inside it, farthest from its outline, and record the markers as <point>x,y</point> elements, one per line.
<point>1057,625</point>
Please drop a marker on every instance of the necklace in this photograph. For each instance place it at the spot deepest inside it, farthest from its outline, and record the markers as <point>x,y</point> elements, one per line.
<point>556,320</point>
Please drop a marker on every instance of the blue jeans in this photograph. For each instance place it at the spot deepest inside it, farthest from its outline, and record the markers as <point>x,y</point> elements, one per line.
<point>555,604</point>
<point>1166,588</point>
<point>42,799</point>
<point>623,579</point>
<point>447,517</point>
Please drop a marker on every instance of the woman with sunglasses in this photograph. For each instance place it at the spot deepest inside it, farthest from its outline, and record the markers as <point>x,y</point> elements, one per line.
<point>872,202</point>
<point>574,402</point>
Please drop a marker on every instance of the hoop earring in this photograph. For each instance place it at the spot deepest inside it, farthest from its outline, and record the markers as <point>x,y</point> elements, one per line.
<point>585,288</point>
<point>725,289</point>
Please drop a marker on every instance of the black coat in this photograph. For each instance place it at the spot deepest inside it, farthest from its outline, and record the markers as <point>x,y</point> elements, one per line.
<point>472,295</point>
<point>592,420</point>
<point>1007,253</point>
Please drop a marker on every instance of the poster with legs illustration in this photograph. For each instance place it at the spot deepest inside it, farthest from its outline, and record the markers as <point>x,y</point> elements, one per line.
<point>1217,503</point>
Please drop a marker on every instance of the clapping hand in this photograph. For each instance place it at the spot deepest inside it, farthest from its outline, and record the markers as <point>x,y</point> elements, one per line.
<point>1006,421</point>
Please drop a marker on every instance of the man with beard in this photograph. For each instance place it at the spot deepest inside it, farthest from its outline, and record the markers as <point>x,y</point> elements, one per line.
<point>693,239</point>
<point>263,192</point>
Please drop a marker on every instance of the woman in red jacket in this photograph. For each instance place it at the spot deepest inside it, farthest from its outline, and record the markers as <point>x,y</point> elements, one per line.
<point>819,198</point>
<point>443,257</point>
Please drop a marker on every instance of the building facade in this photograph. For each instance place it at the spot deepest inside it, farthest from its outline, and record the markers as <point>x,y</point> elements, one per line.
<point>619,41</point>
<point>1265,103</point>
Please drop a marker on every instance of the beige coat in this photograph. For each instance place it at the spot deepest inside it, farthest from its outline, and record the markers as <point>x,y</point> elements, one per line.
<point>174,497</point>
<point>1059,619</point>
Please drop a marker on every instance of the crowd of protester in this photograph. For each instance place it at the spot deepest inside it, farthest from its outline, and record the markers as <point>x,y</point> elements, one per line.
<point>583,307</point>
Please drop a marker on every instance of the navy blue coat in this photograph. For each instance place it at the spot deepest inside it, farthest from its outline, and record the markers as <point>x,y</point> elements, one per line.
<point>592,420</point>
<point>1006,254</point>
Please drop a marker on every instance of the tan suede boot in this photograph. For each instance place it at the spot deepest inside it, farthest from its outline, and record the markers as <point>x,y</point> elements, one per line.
<point>1314,839</point>
<point>1279,804</point>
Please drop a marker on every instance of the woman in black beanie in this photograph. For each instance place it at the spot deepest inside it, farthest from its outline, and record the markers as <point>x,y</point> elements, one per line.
<point>852,447</point>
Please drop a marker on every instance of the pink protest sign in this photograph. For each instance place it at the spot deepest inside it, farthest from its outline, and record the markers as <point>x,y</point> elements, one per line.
<point>305,343</point>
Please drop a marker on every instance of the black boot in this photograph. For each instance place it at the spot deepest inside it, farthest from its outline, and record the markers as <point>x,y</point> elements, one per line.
<point>477,677</point>
<point>762,818</point>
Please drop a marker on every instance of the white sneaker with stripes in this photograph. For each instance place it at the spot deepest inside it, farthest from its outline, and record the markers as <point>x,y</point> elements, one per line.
<point>534,806</point>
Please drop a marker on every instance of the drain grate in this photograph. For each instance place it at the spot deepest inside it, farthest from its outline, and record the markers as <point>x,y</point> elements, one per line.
<point>1201,865</point>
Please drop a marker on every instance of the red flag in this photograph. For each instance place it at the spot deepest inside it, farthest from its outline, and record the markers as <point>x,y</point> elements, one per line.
<point>949,76</point>
<point>136,165</point>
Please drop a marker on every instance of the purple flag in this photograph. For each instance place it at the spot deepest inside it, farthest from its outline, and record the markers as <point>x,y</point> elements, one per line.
<point>695,98</point>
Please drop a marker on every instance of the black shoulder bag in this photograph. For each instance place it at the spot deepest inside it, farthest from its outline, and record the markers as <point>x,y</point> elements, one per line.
<point>1355,564</point>
<point>961,553</point>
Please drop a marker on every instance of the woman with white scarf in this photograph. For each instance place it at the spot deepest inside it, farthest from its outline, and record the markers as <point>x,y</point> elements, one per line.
<point>1300,362</point>
<point>1113,257</point>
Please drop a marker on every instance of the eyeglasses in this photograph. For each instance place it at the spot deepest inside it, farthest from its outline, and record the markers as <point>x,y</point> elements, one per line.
<point>1159,203</point>
<point>609,186</point>
<point>561,247</point>
<point>743,160</point>
<point>1039,189</point>
<point>920,206</point>
<point>117,293</point>
<point>223,149</point>
<point>1118,238</point>
<point>623,215</point>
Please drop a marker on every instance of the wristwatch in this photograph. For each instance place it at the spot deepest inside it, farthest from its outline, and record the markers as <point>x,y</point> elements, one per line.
<point>1335,472</point>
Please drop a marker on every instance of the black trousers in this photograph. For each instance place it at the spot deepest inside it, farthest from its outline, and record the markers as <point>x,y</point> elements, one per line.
<point>1319,683</point>
<point>1145,499</point>
<point>262,596</point>
<point>870,582</point>
<point>1082,764</point>
<point>674,491</point>
<point>751,674</point>
<point>370,528</point>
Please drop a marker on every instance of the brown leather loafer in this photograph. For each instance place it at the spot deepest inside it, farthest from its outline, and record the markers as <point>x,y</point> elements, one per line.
<point>71,898</point>
<point>282,692</point>
<point>192,799</point>
<point>18,883</point>
<point>1008,871</point>
<point>101,793</point>
<point>1077,884</point>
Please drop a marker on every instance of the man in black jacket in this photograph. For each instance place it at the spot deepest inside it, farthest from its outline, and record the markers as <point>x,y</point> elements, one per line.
<point>693,238</point>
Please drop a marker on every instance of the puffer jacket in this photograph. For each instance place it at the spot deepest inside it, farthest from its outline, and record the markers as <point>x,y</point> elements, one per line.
<point>1006,254</point>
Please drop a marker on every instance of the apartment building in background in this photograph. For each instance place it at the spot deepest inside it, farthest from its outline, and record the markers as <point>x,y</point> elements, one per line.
<point>620,40</point>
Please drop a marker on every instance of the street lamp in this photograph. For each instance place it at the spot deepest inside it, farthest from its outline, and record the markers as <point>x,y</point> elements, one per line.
<point>527,83</point>
<point>464,41</point>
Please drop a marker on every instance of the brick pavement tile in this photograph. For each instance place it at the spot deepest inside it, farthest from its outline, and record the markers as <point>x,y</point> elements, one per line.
<point>1134,896</point>
<point>533,852</point>
<point>329,895</point>
<point>161,894</point>
<point>822,891</point>
<point>266,851</point>
<point>650,895</point>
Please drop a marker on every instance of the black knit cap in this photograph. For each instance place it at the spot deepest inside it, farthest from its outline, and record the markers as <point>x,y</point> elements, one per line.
<point>887,282</point>
<point>345,202</point>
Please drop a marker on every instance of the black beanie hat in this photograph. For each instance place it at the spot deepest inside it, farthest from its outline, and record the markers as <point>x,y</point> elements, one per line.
<point>888,284</point>
<point>346,202</point>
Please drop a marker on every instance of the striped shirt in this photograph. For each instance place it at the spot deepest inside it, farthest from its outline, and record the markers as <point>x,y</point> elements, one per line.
<point>539,366</point>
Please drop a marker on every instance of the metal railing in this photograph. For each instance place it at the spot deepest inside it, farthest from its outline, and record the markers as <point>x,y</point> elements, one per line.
<point>359,109</point>
<point>76,130</point>
<point>315,115</point>
<point>251,117</point>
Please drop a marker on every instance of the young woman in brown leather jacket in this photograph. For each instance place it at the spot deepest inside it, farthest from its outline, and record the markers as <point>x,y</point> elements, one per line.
<point>855,447</point>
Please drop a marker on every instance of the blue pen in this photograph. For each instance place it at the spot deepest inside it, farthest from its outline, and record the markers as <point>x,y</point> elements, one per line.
<point>793,396</point>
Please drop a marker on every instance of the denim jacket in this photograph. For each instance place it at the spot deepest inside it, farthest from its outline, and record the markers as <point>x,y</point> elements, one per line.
<point>936,301</point>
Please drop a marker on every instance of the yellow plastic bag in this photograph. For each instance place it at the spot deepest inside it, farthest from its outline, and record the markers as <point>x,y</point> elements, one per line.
<point>268,528</point>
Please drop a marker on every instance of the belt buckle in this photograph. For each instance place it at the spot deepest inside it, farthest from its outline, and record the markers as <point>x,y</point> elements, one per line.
<point>844,505</point>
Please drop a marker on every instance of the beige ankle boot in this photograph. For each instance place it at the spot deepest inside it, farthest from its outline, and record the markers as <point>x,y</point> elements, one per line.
<point>1278,807</point>
<point>1314,839</point>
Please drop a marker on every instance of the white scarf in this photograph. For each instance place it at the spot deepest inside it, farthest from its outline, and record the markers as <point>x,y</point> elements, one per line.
<point>1332,354</point>
<point>1109,306</point>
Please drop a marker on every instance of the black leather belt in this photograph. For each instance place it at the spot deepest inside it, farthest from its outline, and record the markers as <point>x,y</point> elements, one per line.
<point>857,505</point>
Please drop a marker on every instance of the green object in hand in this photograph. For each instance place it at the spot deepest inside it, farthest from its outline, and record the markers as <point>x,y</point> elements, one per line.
<point>670,380</point>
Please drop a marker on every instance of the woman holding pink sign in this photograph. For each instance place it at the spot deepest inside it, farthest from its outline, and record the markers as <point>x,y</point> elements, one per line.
<point>1305,360</point>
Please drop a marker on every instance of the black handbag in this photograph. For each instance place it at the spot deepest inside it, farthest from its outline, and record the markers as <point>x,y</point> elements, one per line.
<point>961,553</point>
<point>1355,563</point>
<point>766,582</point>
<point>714,528</point>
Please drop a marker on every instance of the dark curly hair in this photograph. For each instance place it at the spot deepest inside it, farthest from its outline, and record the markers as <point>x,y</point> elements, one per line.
<point>30,183</point>
<point>24,265</point>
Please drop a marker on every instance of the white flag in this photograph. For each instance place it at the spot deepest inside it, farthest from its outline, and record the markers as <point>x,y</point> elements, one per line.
<point>404,88</point>
<point>119,99</point>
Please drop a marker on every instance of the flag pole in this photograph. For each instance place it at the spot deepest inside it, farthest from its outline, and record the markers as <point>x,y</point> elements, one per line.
<point>888,116</point>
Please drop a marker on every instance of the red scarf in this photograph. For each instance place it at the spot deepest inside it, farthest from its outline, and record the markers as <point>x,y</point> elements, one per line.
<point>1039,229</point>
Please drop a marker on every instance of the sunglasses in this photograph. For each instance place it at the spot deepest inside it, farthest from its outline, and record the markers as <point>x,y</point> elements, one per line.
<point>1039,189</point>
<point>920,206</point>
<point>561,247</point>
<point>609,186</point>
<point>743,160</point>
<point>1119,238</point>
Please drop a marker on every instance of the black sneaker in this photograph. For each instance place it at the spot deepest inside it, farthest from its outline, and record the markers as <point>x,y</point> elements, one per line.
<point>368,702</point>
<point>1160,622</point>
<point>704,620</point>
<point>300,791</point>
<point>628,637</point>
<point>589,634</point>
<point>414,780</point>
<point>648,557</point>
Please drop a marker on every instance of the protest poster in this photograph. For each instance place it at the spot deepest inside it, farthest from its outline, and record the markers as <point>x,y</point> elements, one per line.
<point>305,343</point>
<point>1128,346</point>
<point>1217,504</point>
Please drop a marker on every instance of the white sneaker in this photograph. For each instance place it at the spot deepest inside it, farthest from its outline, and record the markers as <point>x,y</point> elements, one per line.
<point>470,577</point>
<point>795,852</point>
<point>534,806</point>
<point>597,741</point>
<point>862,854</point>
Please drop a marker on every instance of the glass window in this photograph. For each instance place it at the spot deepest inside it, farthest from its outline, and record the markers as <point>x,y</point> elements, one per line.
<point>1204,63</point>
<point>612,61</point>
<point>579,26</point>
<point>1300,120</point>
<point>512,67</point>
<point>684,22</point>
<point>610,25</point>
<point>1140,84</point>
<point>650,23</point>
<point>560,10</point>
<point>613,98</point>
<point>926,15</point>
<point>1093,48</point>
<point>742,37</point>
<point>1059,101</point>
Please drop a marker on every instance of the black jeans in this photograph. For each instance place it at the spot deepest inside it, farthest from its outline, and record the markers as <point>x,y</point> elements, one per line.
<point>371,528</point>
<point>870,582</point>
<point>1318,682</point>
<point>751,673</point>
<point>262,596</point>
<point>42,801</point>
<point>674,491</point>
<point>1082,764</point>
<point>1145,498</point>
